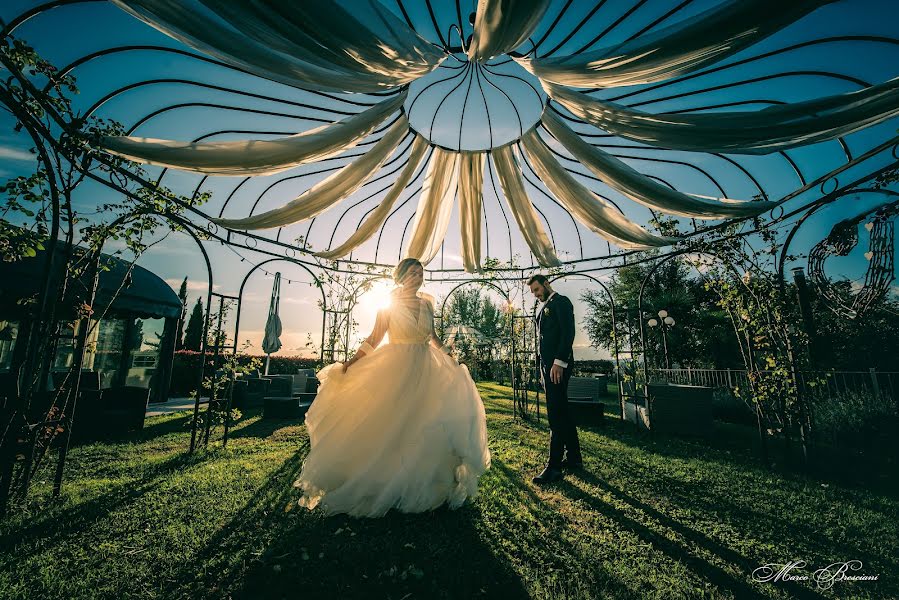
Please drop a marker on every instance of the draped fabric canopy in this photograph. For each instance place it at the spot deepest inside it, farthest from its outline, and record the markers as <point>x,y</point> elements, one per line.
<point>362,47</point>
<point>333,189</point>
<point>682,48</point>
<point>638,187</point>
<point>471,182</point>
<point>435,207</point>
<point>741,132</point>
<point>376,219</point>
<point>509,173</point>
<point>322,45</point>
<point>599,215</point>
<point>503,25</point>
<point>255,157</point>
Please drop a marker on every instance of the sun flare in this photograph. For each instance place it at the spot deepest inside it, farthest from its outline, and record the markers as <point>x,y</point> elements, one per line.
<point>378,296</point>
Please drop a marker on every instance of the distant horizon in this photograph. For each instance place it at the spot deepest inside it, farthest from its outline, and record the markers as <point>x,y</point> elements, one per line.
<point>93,26</point>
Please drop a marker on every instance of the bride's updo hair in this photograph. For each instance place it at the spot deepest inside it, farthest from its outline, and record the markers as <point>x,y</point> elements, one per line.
<point>403,267</point>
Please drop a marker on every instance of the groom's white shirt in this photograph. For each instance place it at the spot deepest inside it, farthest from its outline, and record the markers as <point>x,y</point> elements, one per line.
<point>562,364</point>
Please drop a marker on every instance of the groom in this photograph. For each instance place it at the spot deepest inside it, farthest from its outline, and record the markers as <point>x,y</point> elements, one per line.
<point>555,324</point>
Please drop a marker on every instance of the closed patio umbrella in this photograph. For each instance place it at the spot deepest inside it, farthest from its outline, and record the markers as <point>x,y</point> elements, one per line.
<point>271,342</point>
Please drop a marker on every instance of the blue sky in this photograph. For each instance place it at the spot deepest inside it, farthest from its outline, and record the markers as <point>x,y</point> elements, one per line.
<point>64,34</point>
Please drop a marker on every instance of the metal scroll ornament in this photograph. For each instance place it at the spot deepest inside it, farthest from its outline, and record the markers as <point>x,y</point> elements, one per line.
<point>840,296</point>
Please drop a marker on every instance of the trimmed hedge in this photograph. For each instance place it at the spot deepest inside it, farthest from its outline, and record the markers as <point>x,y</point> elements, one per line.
<point>187,364</point>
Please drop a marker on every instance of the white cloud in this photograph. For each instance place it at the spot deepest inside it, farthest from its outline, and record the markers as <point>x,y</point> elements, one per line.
<point>300,300</point>
<point>9,153</point>
<point>293,343</point>
<point>192,286</point>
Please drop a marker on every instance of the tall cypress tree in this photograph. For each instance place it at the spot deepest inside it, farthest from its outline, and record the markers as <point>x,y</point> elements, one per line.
<point>182,294</point>
<point>193,335</point>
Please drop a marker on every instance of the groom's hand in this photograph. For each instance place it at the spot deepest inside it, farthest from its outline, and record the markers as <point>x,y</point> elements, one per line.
<point>555,374</point>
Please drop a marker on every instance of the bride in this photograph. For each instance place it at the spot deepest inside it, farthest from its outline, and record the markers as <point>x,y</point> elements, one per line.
<point>400,425</point>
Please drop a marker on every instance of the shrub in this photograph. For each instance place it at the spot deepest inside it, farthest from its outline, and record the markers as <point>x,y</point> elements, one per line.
<point>856,419</point>
<point>187,364</point>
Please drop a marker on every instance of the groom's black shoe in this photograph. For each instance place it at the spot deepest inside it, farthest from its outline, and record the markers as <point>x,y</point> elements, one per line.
<point>572,464</point>
<point>549,475</point>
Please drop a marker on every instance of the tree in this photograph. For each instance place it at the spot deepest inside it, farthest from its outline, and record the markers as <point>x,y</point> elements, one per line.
<point>182,294</point>
<point>136,338</point>
<point>39,213</point>
<point>701,336</point>
<point>193,335</point>
<point>471,307</point>
<point>868,341</point>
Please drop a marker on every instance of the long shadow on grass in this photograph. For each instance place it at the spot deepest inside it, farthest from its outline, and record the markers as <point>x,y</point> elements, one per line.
<point>266,552</point>
<point>754,510</point>
<point>568,572</point>
<point>763,510</point>
<point>64,524</point>
<point>757,514</point>
<point>263,428</point>
<point>180,424</point>
<point>716,575</point>
<point>699,566</point>
<point>735,445</point>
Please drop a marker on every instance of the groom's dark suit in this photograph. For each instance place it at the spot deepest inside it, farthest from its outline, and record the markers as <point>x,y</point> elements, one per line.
<point>555,324</point>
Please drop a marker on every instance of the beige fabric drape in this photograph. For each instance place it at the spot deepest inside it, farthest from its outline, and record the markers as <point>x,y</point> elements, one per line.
<point>503,25</point>
<point>509,173</point>
<point>471,188</point>
<point>377,217</point>
<point>684,47</point>
<point>739,132</point>
<point>435,206</point>
<point>255,157</point>
<point>356,46</point>
<point>331,190</point>
<point>584,205</point>
<point>621,177</point>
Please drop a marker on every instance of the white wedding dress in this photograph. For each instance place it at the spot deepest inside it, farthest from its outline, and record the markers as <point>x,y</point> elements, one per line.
<point>403,427</point>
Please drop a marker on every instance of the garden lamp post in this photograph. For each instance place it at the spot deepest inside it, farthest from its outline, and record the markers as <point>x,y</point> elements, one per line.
<point>664,322</point>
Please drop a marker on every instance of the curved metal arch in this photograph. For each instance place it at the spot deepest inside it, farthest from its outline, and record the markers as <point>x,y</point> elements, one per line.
<point>782,153</point>
<point>655,267</point>
<point>383,174</point>
<point>188,82</point>
<point>716,69</point>
<point>165,49</point>
<point>240,109</point>
<point>614,322</point>
<point>599,4</point>
<point>634,8</point>
<point>412,183</point>
<point>781,263</point>
<point>723,86</point>
<point>372,277</point>
<point>283,179</point>
<point>480,282</point>
<point>37,10</point>
<point>318,284</point>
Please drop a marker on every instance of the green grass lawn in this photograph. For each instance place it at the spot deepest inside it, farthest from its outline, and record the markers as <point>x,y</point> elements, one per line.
<point>650,517</point>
